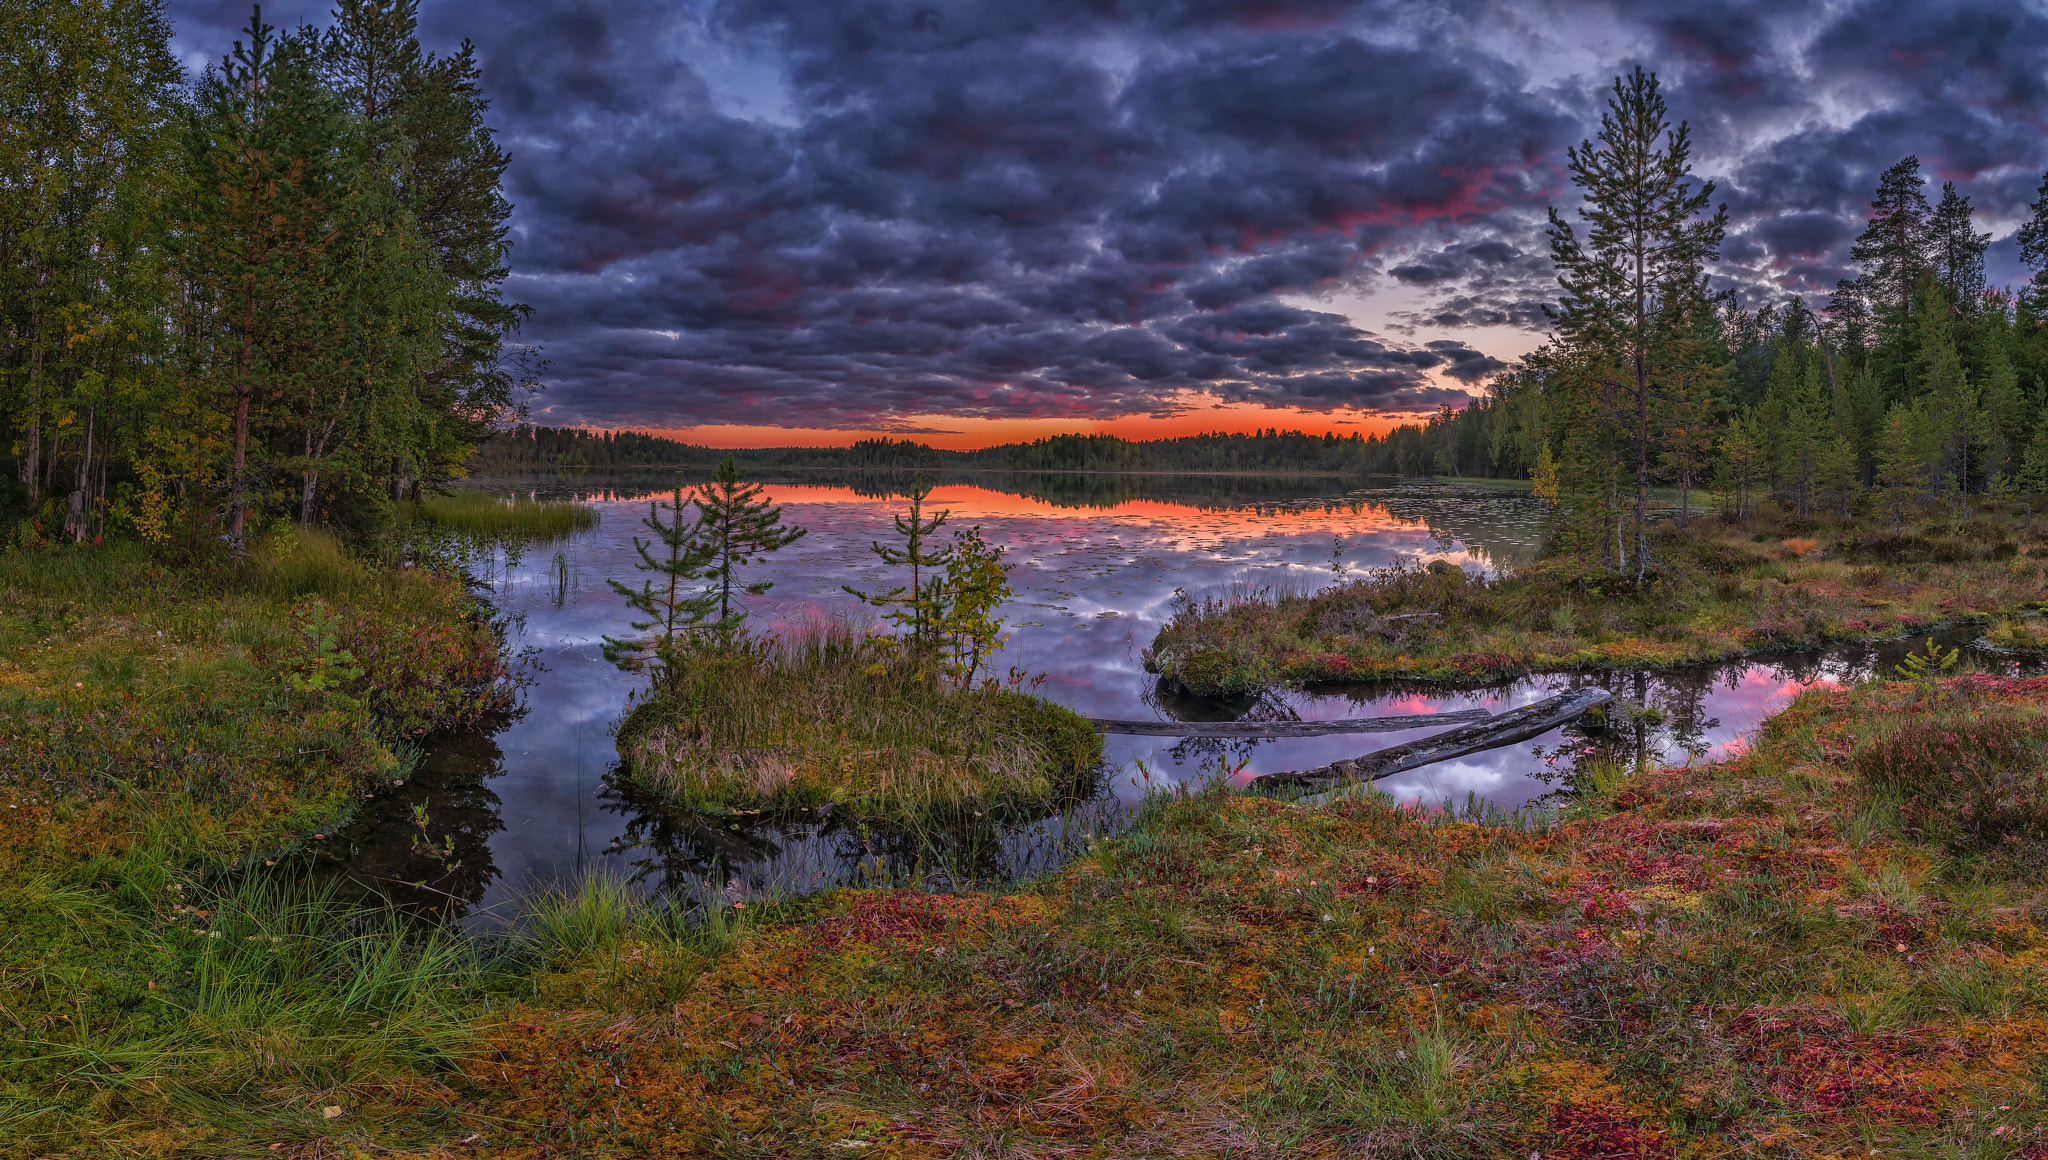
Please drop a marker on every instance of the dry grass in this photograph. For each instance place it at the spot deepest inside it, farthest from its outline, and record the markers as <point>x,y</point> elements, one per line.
<point>829,715</point>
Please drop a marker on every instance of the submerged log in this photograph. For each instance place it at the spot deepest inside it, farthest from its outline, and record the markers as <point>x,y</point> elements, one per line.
<point>1287,728</point>
<point>1515,725</point>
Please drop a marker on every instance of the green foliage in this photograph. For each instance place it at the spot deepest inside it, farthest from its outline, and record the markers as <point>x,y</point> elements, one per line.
<point>272,292</point>
<point>322,666</point>
<point>734,526</point>
<point>1631,319</point>
<point>737,526</point>
<point>1922,669</point>
<point>976,583</point>
<point>672,607</point>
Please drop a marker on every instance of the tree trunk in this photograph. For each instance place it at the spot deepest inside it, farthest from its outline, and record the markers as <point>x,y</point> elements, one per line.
<point>237,489</point>
<point>1394,724</point>
<point>1516,725</point>
<point>74,517</point>
<point>31,464</point>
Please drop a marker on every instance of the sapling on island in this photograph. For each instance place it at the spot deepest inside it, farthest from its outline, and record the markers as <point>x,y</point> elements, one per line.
<point>834,713</point>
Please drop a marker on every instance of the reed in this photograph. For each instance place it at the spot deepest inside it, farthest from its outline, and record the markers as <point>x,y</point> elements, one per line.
<point>830,715</point>
<point>483,513</point>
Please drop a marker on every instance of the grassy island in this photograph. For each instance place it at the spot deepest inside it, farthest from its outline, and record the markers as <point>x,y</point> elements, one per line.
<point>833,716</point>
<point>1721,588</point>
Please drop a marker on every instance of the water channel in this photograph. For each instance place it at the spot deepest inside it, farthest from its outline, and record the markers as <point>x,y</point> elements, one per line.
<point>1097,561</point>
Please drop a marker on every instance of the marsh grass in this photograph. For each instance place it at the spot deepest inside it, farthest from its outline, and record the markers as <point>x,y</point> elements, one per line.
<point>482,513</point>
<point>1723,589</point>
<point>158,754</point>
<point>306,562</point>
<point>830,715</point>
<point>245,1008</point>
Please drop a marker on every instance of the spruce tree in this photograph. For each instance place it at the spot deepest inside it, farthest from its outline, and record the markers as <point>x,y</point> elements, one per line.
<point>261,145</point>
<point>1952,420</point>
<point>2033,239</point>
<point>1902,463</point>
<point>736,526</point>
<point>1646,243</point>
<point>423,124</point>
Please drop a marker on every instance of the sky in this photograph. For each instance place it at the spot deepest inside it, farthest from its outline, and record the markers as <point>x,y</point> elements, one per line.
<point>777,222</point>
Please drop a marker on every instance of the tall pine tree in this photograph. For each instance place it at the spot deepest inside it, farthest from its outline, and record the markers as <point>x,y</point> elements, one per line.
<point>1646,243</point>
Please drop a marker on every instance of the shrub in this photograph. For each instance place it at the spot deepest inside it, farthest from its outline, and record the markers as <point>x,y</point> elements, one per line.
<point>1965,775</point>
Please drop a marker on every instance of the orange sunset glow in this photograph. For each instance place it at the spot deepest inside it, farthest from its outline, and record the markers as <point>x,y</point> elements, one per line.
<point>957,434</point>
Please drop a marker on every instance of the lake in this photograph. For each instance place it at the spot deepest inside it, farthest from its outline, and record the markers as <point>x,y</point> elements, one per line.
<point>1097,561</point>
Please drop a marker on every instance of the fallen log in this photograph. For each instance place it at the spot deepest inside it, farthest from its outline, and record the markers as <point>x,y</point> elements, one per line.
<point>1531,720</point>
<point>1287,728</point>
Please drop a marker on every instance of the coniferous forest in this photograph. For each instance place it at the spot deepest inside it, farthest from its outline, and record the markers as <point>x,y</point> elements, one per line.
<point>309,845</point>
<point>275,292</point>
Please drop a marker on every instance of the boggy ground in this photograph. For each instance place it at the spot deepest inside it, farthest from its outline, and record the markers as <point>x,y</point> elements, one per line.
<point>1832,945</point>
<point>167,732</point>
<point>1722,588</point>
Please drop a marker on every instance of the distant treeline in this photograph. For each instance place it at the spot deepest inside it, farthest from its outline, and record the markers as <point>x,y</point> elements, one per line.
<point>1410,449</point>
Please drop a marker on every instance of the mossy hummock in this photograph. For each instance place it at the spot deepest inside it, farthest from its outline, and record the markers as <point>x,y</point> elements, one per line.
<point>831,716</point>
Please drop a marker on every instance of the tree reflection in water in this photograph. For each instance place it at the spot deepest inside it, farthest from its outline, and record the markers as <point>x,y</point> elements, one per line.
<point>426,844</point>
<point>681,851</point>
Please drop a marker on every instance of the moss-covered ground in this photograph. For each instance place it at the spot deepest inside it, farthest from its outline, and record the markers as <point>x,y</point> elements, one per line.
<point>1833,945</point>
<point>1827,947</point>
<point>168,735</point>
<point>1720,588</point>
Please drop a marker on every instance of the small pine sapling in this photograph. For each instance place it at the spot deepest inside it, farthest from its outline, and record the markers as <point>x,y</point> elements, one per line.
<point>917,607</point>
<point>673,607</point>
<point>975,584</point>
<point>737,525</point>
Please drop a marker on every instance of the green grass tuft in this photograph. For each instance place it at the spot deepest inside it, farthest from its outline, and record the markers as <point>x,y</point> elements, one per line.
<point>483,513</point>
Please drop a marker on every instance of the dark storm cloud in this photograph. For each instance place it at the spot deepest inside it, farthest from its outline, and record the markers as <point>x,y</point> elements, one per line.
<point>845,213</point>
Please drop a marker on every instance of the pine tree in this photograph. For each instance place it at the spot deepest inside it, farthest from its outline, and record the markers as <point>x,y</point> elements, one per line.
<point>916,607</point>
<point>737,525</point>
<point>1955,251</point>
<point>1893,246</point>
<point>423,125</point>
<point>674,607</point>
<point>255,238</point>
<point>1645,244</point>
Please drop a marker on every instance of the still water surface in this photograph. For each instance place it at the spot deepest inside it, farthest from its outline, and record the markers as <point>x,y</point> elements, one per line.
<point>1096,562</point>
